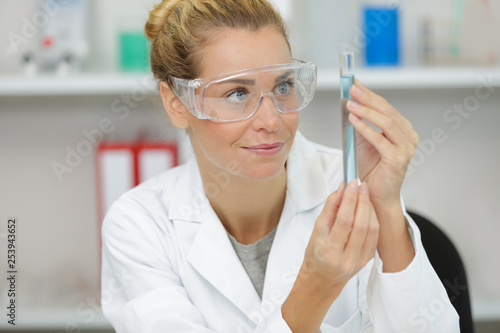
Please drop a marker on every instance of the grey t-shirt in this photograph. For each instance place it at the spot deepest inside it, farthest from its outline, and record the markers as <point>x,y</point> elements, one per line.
<point>254,258</point>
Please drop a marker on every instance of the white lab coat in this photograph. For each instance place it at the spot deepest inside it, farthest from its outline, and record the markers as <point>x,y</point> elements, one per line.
<point>168,265</point>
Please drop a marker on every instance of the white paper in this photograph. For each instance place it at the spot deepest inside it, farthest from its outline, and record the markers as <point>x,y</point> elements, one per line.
<point>117,174</point>
<point>153,161</point>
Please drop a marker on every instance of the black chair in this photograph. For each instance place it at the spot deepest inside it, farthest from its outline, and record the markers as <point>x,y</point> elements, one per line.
<point>448,265</point>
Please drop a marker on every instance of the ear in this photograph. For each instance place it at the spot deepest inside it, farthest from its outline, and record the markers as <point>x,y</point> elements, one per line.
<point>176,111</point>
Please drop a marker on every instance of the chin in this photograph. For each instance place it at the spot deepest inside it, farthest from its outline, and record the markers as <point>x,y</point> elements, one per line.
<point>264,172</point>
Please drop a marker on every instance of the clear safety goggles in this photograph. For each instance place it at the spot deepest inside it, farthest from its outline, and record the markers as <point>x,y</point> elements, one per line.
<point>236,96</point>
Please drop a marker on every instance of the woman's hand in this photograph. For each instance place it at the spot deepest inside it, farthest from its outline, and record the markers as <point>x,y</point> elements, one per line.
<point>383,157</point>
<point>344,238</point>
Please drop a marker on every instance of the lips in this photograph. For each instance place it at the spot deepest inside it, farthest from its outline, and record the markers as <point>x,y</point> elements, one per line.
<point>266,146</point>
<point>266,149</point>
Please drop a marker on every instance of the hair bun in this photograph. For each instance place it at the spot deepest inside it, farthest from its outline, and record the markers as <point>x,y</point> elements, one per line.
<point>158,17</point>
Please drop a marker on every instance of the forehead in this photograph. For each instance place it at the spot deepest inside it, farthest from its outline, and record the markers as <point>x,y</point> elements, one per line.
<point>231,50</point>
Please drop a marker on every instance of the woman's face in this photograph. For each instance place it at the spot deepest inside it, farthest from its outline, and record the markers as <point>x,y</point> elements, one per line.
<point>256,148</point>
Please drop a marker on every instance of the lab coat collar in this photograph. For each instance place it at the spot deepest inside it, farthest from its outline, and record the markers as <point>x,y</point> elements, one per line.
<point>189,202</point>
<point>306,178</point>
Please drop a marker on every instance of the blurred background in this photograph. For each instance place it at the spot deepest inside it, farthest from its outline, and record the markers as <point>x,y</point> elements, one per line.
<point>81,122</point>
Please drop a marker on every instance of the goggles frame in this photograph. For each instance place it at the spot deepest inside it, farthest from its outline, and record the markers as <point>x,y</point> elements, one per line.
<point>185,89</point>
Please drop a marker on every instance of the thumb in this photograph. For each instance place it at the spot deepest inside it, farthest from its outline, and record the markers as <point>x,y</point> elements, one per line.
<point>329,212</point>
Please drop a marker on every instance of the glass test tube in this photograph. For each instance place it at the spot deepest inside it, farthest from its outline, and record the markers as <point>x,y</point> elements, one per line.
<point>348,132</point>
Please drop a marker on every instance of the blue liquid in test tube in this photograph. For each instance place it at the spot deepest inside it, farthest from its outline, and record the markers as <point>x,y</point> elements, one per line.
<point>348,132</point>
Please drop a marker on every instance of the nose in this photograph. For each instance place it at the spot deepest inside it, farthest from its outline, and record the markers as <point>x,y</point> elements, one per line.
<point>267,116</point>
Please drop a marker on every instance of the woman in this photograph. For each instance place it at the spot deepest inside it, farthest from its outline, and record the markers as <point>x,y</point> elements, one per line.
<point>247,236</point>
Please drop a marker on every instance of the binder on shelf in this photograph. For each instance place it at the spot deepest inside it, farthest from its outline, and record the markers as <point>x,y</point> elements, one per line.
<point>122,166</point>
<point>155,158</point>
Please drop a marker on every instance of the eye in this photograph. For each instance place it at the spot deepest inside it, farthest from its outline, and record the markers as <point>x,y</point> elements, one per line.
<point>283,88</point>
<point>237,95</point>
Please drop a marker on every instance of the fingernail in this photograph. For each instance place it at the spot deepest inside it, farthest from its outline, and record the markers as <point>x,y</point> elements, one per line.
<point>358,83</point>
<point>364,188</point>
<point>357,91</point>
<point>353,186</point>
<point>354,118</point>
<point>353,105</point>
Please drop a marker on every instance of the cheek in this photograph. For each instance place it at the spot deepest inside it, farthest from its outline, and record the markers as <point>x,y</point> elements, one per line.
<point>214,138</point>
<point>291,121</point>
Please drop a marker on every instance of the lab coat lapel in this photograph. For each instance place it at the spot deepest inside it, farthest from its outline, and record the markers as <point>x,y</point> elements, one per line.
<point>285,258</point>
<point>206,243</point>
<point>213,256</point>
<point>308,174</point>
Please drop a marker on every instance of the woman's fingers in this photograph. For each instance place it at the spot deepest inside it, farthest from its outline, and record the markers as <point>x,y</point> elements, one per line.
<point>360,226</point>
<point>366,97</point>
<point>343,239</point>
<point>376,110</point>
<point>371,239</point>
<point>345,217</point>
<point>354,235</point>
<point>329,212</point>
<point>377,139</point>
<point>392,131</point>
<point>404,137</point>
<point>396,142</point>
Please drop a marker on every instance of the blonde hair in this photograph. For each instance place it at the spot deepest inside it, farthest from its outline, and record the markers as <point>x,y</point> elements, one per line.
<point>179,29</point>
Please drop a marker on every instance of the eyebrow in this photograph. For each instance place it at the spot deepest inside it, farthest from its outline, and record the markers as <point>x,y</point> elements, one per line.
<point>247,82</point>
<point>250,82</point>
<point>284,76</point>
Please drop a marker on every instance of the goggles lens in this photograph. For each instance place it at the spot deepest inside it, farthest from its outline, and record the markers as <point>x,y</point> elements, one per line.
<point>237,96</point>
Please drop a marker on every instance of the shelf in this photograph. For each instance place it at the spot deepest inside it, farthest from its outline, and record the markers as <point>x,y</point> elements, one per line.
<point>415,77</point>
<point>82,84</point>
<point>376,78</point>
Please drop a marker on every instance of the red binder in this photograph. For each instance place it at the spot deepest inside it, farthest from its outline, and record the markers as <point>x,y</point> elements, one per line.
<point>121,166</point>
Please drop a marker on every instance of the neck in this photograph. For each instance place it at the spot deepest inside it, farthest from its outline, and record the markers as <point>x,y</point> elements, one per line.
<point>248,209</point>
